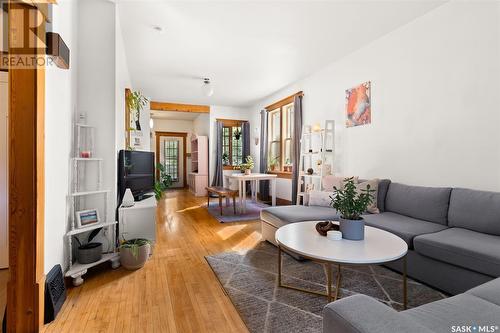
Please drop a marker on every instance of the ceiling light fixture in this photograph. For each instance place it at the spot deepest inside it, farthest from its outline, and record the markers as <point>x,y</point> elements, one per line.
<point>158,29</point>
<point>207,87</point>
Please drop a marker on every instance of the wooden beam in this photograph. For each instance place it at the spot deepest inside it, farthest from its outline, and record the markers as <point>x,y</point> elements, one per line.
<point>284,101</point>
<point>166,106</point>
<point>25,288</point>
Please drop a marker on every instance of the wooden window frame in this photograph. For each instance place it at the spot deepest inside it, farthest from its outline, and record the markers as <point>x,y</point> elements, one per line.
<point>230,123</point>
<point>273,107</point>
<point>158,146</point>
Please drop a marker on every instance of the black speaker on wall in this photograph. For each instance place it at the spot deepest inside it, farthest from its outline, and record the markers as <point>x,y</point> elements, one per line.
<point>55,293</point>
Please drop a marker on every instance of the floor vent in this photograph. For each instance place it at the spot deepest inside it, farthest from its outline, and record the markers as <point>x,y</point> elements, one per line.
<point>55,293</point>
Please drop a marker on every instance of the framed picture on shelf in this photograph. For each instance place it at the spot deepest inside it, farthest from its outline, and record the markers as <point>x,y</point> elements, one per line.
<point>87,217</point>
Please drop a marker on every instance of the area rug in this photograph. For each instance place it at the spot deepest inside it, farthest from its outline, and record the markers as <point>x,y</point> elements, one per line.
<point>252,211</point>
<point>250,281</point>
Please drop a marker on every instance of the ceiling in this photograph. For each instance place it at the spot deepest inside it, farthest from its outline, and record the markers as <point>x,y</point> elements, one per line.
<point>249,49</point>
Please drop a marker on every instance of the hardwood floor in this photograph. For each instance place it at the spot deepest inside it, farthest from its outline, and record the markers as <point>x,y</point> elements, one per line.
<point>176,291</point>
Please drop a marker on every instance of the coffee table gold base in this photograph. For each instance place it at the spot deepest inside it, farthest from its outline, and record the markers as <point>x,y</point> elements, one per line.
<point>329,275</point>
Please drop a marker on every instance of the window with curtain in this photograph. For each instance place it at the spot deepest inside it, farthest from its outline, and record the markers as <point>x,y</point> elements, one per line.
<point>171,159</point>
<point>232,143</point>
<point>280,136</point>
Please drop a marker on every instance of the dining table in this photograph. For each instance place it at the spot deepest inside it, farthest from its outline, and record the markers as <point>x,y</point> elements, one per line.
<point>254,179</point>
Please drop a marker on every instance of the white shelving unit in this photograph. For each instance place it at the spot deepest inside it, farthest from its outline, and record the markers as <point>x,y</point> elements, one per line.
<point>317,152</point>
<point>77,201</point>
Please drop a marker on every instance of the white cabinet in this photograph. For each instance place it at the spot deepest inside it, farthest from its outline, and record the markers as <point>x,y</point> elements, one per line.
<point>138,221</point>
<point>4,174</point>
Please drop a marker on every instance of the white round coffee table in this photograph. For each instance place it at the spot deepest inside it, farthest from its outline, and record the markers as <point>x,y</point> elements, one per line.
<point>378,247</point>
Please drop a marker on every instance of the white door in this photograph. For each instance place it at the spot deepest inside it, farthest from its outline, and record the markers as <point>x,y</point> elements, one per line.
<point>4,175</point>
<point>172,157</point>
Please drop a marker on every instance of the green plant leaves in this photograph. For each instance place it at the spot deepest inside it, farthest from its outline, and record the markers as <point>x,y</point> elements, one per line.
<point>349,202</point>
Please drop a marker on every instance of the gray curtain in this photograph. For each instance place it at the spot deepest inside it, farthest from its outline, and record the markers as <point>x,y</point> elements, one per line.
<point>245,133</point>
<point>218,177</point>
<point>297,134</point>
<point>263,185</point>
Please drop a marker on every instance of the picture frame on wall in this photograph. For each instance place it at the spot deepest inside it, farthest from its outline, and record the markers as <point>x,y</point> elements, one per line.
<point>87,217</point>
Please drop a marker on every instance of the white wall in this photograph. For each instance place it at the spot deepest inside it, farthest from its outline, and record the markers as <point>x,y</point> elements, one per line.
<point>97,85</point>
<point>60,106</point>
<point>435,116</point>
<point>201,124</point>
<point>122,81</point>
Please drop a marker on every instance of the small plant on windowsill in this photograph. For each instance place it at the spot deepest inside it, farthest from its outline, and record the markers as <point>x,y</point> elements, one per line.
<point>273,164</point>
<point>247,166</point>
<point>163,182</point>
<point>351,203</point>
<point>225,159</point>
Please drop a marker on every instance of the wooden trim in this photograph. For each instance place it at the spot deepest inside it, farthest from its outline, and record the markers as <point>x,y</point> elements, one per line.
<point>157,150</point>
<point>281,174</point>
<point>284,101</point>
<point>128,92</point>
<point>25,289</point>
<point>231,122</point>
<point>166,106</point>
<point>279,201</point>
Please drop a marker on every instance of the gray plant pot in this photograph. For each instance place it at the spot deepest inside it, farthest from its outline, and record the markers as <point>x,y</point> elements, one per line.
<point>89,253</point>
<point>130,262</point>
<point>352,229</point>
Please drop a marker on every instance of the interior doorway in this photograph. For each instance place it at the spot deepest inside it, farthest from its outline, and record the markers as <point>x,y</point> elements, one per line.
<point>171,152</point>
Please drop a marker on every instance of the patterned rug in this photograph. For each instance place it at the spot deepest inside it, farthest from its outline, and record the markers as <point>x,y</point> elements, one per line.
<point>250,280</point>
<point>252,211</point>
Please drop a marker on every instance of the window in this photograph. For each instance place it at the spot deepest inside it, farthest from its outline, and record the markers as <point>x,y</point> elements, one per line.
<point>171,162</point>
<point>280,136</point>
<point>232,143</point>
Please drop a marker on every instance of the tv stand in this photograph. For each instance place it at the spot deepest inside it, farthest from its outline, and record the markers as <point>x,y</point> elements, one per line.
<point>139,221</point>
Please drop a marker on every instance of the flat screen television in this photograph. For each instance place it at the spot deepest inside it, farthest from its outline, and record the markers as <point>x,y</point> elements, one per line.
<point>136,170</point>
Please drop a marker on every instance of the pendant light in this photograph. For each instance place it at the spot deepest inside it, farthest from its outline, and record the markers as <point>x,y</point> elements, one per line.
<point>207,87</point>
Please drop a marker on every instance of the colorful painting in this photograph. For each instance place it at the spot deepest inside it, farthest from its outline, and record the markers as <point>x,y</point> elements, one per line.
<point>358,105</point>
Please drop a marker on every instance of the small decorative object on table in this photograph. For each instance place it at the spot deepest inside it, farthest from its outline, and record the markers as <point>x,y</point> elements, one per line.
<point>351,203</point>
<point>247,166</point>
<point>323,227</point>
<point>87,217</point>
<point>310,171</point>
<point>128,198</point>
<point>334,235</point>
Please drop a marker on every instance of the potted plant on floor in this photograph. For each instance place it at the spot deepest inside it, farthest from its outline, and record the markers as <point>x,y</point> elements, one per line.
<point>134,253</point>
<point>163,182</point>
<point>91,251</point>
<point>351,203</point>
<point>247,166</point>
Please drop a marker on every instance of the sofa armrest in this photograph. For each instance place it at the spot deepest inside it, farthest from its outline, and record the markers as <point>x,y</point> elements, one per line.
<point>363,314</point>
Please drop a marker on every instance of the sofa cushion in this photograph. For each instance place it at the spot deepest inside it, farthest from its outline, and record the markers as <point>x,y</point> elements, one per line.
<point>489,291</point>
<point>383,187</point>
<point>475,210</point>
<point>425,203</point>
<point>460,310</point>
<point>403,226</point>
<point>320,198</point>
<point>464,248</point>
<point>279,216</point>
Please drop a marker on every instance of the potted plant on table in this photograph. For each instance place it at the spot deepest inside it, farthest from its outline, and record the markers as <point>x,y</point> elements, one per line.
<point>134,253</point>
<point>351,203</point>
<point>247,166</point>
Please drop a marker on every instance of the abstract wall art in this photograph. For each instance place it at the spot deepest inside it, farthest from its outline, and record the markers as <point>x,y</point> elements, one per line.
<point>358,105</point>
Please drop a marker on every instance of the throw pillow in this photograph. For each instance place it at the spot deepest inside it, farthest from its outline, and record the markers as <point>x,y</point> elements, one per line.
<point>320,198</point>
<point>373,186</point>
<point>338,181</point>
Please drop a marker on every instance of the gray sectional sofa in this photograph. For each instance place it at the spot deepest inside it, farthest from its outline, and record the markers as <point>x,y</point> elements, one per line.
<point>477,310</point>
<point>453,234</point>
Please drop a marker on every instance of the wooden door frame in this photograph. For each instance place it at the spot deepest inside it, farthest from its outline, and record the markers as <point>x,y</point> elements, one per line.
<point>159,134</point>
<point>25,289</point>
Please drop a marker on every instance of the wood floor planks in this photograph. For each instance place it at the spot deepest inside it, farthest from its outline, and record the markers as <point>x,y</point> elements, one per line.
<point>176,292</point>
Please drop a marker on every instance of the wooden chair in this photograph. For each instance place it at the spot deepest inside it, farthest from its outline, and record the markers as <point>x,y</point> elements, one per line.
<point>222,192</point>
